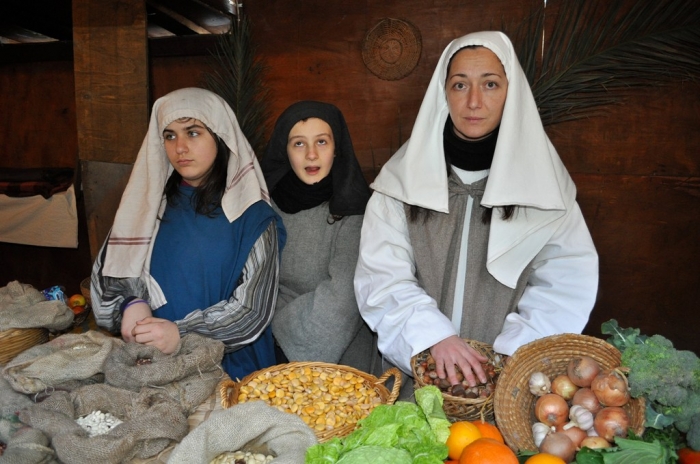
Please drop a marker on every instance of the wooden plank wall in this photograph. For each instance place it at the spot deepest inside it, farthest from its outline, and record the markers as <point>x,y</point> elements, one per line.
<point>637,168</point>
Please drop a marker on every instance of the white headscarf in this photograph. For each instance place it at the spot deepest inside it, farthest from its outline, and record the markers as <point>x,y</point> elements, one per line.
<point>135,224</point>
<point>526,170</point>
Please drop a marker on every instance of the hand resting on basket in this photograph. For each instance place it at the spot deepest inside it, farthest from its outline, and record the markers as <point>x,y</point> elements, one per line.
<point>454,351</point>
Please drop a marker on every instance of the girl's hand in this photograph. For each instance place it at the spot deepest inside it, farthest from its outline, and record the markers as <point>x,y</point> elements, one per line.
<point>133,313</point>
<point>453,351</point>
<point>161,333</point>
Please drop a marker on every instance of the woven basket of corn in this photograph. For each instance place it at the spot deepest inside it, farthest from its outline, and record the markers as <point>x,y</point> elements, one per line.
<point>329,398</point>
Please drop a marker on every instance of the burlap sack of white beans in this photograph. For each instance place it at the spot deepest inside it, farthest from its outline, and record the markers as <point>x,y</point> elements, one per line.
<point>190,374</point>
<point>151,422</point>
<point>27,446</point>
<point>64,363</point>
<point>253,426</point>
<point>24,307</point>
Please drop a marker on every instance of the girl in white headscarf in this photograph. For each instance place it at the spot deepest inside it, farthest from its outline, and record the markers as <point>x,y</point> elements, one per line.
<point>195,243</point>
<point>473,230</point>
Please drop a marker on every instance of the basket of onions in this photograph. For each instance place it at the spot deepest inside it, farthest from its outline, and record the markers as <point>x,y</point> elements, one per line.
<point>560,393</point>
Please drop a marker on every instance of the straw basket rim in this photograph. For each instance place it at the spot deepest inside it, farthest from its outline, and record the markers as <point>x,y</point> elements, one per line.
<point>457,408</point>
<point>229,389</point>
<point>85,289</point>
<point>513,402</point>
<point>15,341</point>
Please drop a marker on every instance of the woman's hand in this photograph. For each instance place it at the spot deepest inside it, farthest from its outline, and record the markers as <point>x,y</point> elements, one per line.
<point>453,351</point>
<point>161,333</point>
<point>135,312</point>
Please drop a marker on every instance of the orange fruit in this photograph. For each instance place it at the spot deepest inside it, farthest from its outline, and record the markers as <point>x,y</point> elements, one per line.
<point>488,430</point>
<point>462,433</point>
<point>544,458</point>
<point>487,451</point>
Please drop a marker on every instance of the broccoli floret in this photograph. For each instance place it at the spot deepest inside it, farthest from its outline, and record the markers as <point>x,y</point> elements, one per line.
<point>683,414</point>
<point>693,436</point>
<point>660,372</point>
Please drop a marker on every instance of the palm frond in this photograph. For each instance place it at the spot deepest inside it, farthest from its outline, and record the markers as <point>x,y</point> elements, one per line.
<point>597,50</point>
<point>237,75</point>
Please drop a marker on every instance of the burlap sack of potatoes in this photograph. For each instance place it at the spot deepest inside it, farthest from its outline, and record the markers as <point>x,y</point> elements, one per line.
<point>253,426</point>
<point>24,307</point>
<point>189,375</point>
<point>151,422</point>
<point>65,363</point>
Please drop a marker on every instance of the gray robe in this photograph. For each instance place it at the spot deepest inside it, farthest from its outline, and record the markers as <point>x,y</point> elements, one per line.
<point>436,246</point>
<point>316,317</point>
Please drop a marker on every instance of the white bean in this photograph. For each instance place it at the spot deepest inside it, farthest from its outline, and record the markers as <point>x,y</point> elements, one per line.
<point>98,423</point>
<point>239,457</point>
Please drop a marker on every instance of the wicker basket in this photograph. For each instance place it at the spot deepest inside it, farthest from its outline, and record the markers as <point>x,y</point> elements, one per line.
<point>465,409</point>
<point>230,389</point>
<point>85,290</point>
<point>513,402</point>
<point>14,341</point>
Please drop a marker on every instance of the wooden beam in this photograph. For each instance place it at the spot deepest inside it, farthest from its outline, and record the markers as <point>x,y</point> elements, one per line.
<point>112,100</point>
<point>111,78</point>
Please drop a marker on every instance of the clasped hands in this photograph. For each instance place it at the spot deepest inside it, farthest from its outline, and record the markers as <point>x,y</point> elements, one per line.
<point>139,325</point>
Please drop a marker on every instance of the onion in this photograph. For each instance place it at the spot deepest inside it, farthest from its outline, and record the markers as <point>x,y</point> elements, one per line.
<point>559,445</point>
<point>586,398</point>
<point>551,409</point>
<point>611,422</point>
<point>595,443</point>
<point>564,387</point>
<point>582,370</point>
<point>611,389</point>
<point>576,434</point>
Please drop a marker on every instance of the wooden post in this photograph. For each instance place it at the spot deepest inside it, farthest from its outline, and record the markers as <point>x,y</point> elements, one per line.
<point>110,51</point>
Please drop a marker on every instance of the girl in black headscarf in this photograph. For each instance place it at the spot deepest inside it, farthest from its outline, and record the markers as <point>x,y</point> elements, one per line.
<point>318,188</point>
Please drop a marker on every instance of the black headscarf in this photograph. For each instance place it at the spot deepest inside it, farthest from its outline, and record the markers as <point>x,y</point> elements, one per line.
<point>349,191</point>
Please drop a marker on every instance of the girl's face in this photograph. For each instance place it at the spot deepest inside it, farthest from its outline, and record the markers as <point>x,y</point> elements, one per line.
<point>476,90</point>
<point>191,149</point>
<point>311,149</point>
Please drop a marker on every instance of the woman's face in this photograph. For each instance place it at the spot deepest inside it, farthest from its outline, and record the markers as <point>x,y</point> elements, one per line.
<point>311,149</point>
<point>476,90</point>
<point>191,149</point>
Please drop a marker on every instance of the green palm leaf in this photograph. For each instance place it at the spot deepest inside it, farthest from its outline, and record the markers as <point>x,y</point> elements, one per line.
<point>597,50</point>
<point>237,76</point>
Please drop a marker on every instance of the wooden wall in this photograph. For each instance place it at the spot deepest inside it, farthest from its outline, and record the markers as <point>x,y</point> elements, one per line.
<point>637,168</point>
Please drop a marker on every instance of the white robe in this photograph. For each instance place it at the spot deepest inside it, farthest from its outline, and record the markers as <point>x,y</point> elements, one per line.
<point>548,231</point>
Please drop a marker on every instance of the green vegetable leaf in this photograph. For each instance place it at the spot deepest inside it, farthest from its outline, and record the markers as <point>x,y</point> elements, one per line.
<point>635,452</point>
<point>656,420</point>
<point>430,401</point>
<point>621,338</point>
<point>376,455</point>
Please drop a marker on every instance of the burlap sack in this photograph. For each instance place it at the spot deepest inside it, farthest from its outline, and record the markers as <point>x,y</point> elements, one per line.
<point>27,446</point>
<point>64,363</point>
<point>10,400</point>
<point>189,375</point>
<point>253,426</point>
<point>151,421</point>
<point>24,307</point>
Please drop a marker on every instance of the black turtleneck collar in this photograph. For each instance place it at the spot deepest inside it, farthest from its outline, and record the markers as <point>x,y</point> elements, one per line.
<point>468,155</point>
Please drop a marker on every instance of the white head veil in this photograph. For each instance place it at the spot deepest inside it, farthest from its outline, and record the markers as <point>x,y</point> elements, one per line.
<point>135,224</point>
<point>526,170</point>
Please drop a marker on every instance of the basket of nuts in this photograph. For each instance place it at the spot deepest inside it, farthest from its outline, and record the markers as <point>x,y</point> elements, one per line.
<point>329,398</point>
<point>461,402</point>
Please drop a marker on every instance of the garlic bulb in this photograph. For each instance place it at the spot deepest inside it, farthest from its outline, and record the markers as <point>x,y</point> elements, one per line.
<point>539,431</point>
<point>580,417</point>
<point>539,384</point>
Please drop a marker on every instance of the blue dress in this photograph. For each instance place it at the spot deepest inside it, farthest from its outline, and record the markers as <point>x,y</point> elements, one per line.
<point>197,260</point>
